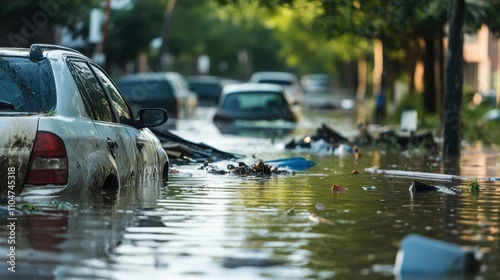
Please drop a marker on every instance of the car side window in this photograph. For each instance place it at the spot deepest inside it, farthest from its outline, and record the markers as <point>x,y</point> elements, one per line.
<point>91,90</point>
<point>86,98</point>
<point>173,85</point>
<point>177,87</point>
<point>119,105</point>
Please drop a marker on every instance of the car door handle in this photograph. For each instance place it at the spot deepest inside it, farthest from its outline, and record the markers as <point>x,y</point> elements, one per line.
<point>112,143</point>
<point>140,146</point>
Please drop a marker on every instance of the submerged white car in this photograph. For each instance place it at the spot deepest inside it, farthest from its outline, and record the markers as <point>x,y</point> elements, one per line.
<point>66,129</point>
<point>285,79</point>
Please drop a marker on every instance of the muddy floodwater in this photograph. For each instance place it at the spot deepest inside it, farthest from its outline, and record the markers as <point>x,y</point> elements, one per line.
<point>206,226</point>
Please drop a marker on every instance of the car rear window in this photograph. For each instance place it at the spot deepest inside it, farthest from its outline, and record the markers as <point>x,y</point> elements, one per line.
<point>205,89</point>
<point>140,91</point>
<point>29,86</point>
<point>276,82</point>
<point>253,101</point>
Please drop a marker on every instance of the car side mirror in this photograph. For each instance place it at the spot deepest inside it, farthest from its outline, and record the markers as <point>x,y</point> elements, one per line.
<point>151,117</point>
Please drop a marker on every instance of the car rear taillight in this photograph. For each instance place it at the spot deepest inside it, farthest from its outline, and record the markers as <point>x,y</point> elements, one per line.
<point>50,161</point>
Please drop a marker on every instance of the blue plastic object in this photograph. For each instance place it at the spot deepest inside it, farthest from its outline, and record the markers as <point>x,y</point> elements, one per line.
<point>421,256</point>
<point>295,163</point>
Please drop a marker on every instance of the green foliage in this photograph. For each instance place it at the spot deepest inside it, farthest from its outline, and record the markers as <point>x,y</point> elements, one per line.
<point>475,128</point>
<point>39,15</point>
<point>474,187</point>
<point>31,208</point>
<point>482,12</point>
<point>28,207</point>
<point>132,29</point>
<point>63,205</point>
<point>414,101</point>
<point>223,33</point>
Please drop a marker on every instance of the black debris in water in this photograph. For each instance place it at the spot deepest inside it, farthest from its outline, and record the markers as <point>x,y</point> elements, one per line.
<point>258,169</point>
<point>232,262</point>
<point>182,151</point>
<point>417,186</point>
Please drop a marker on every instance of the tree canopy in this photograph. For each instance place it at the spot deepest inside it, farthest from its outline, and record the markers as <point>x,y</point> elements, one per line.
<point>27,21</point>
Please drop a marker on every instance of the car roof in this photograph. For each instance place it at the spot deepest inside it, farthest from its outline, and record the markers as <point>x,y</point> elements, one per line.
<point>38,51</point>
<point>273,75</point>
<point>317,75</point>
<point>244,87</point>
<point>200,78</point>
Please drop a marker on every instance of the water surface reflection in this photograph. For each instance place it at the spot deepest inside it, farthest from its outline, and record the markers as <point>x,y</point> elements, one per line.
<point>205,226</point>
<point>214,226</point>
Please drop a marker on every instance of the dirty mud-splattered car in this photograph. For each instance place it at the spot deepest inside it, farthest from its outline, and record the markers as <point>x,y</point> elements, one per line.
<point>66,129</point>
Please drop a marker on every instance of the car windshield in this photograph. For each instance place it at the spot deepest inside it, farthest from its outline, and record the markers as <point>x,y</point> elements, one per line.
<point>253,101</point>
<point>276,82</point>
<point>26,86</point>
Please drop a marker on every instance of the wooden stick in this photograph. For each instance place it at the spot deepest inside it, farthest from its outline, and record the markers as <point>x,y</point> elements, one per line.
<point>428,175</point>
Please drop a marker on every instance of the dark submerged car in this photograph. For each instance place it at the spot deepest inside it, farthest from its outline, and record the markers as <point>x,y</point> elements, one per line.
<point>208,88</point>
<point>254,105</point>
<point>167,90</point>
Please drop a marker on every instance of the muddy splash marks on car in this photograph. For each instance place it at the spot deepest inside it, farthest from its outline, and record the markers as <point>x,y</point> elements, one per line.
<point>13,163</point>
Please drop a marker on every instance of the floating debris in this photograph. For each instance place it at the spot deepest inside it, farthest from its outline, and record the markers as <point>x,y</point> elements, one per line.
<point>320,206</point>
<point>319,220</point>
<point>427,175</point>
<point>435,259</point>
<point>294,163</point>
<point>417,186</point>
<point>214,171</point>
<point>233,262</point>
<point>326,140</point>
<point>182,151</point>
<point>290,211</point>
<point>357,153</point>
<point>338,188</point>
<point>369,188</point>
<point>243,169</point>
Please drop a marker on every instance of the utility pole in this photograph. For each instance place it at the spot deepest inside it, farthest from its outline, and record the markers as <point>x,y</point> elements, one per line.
<point>99,55</point>
<point>169,9</point>
<point>454,80</point>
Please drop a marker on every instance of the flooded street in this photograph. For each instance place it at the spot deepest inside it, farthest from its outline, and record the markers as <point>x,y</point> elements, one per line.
<point>206,226</point>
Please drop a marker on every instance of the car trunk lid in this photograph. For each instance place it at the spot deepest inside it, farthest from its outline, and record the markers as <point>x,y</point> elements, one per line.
<point>17,139</point>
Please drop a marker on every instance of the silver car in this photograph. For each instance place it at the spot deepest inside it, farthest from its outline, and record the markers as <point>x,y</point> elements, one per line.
<point>66,129</point>
<point>285,79</point>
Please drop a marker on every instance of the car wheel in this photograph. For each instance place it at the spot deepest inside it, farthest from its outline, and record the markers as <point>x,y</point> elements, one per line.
<point>110,189</point>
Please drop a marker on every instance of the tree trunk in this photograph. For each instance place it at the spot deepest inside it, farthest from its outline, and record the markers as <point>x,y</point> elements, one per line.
<point>361,88</point>
<point>361,91</point>
<point>378,65</point>
<point>429,74</point>
<point>454,80</point>
<point>433,69</point>
<point>392,69</point>
<point>410,61</point>
<point>439,70</point>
